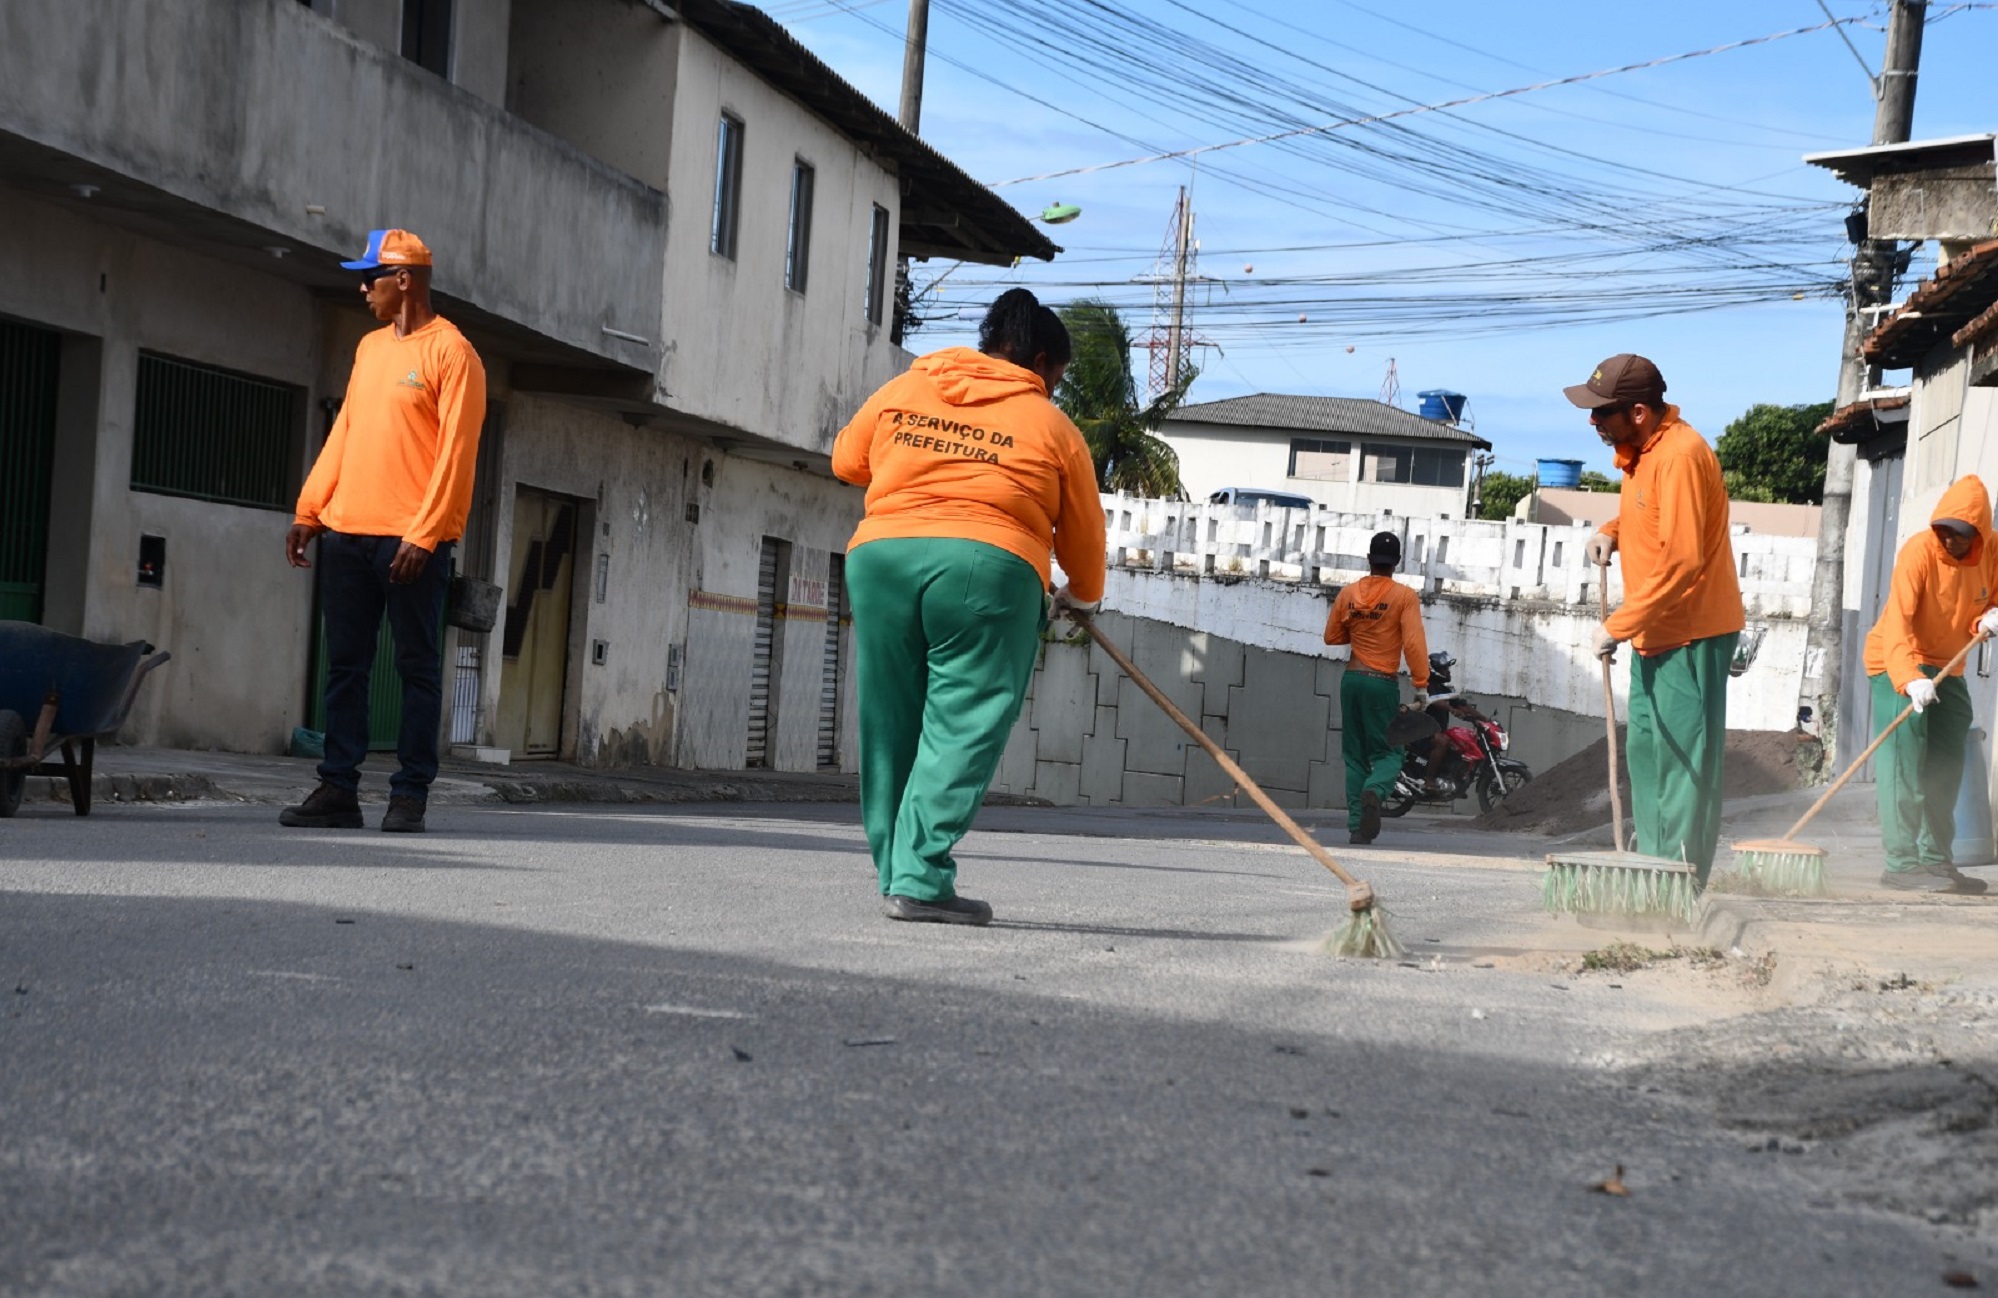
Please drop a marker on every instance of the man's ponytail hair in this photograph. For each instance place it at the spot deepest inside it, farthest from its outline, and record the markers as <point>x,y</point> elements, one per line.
<point>1018,328</point>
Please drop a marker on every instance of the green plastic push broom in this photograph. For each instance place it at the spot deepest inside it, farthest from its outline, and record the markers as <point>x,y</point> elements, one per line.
<point>1784,867</point>
<point>1618,882</point>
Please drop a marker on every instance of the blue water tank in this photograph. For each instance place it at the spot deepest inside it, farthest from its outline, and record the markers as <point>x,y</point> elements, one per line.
<point>1443,406</point>
<point>1560,473</point>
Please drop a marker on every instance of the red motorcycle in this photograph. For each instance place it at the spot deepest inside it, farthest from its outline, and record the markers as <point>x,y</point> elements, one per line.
<point>1468,755</point>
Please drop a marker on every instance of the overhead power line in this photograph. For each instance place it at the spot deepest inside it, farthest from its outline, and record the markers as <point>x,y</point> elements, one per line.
<point>1396,114</point>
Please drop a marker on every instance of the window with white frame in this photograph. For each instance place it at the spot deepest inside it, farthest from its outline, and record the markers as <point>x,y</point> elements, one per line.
<point>1320,460</point>
<point>1419,466</point>
<point>798,245</point>
<point>728,187</point>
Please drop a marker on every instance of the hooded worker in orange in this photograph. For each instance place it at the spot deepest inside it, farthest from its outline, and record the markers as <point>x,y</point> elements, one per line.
<point>1943,593</point>
<point>1681,607</point>
<point>974,478</point>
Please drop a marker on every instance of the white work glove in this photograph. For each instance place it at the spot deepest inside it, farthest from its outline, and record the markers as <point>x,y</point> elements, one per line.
<point>1601,546</point>
<point>1921,692</point>
<point>1987,626</point>
<point>1605,642</point>
<point>1421,699</point>
<point>1066,603</point>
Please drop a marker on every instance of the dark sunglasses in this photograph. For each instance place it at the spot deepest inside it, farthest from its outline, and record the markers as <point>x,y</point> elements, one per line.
<point>1600,413</point>
<point>368,277</point>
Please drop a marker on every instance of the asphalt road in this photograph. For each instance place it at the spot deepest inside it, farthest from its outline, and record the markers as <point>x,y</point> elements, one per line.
<point>596,1051</point>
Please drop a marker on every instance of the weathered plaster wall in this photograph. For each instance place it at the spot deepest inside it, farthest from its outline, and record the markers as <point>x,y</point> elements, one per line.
<point>231,612</point>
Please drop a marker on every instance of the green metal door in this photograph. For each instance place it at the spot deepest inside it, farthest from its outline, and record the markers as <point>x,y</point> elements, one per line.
<point>29,361</point>
<point>384,688</point>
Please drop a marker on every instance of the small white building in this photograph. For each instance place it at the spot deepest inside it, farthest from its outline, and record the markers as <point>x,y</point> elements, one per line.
<point>1346,453</point>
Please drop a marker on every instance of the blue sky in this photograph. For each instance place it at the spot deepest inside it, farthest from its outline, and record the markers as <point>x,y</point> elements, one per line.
<point>1456,244</point>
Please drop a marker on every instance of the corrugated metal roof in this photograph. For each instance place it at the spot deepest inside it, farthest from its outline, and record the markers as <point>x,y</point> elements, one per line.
<point>1352,415</point>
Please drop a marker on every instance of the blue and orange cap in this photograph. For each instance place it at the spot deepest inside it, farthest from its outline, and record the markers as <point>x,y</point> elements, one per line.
<point>390,248</point>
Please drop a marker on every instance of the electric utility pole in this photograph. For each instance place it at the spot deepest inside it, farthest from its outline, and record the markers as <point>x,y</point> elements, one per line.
<point>1872,286</point>
<point>913,54</point>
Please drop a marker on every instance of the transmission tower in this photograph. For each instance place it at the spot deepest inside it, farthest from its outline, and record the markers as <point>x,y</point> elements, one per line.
<point>1172,337</point>
<point>1391,386</point>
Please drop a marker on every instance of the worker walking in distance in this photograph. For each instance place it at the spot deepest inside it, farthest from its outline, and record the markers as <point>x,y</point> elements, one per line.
<point>974,479</point>
<point>387,499</point>
<point>1681,607</point>
<point>1382,620</point>
<point>1944,587</point>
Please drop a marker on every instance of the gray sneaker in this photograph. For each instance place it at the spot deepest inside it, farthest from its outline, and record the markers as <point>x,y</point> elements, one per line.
<point>1956,880</point>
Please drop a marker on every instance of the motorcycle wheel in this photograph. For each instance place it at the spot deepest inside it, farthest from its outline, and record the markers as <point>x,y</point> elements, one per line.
<point>1491,791</point>
<point>1396,804</point>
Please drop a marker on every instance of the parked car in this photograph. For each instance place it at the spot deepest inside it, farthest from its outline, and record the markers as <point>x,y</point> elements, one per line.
<point>1258,496</point>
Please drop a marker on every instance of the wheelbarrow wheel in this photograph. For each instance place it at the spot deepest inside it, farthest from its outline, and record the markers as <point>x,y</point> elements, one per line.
<point>13,746</point>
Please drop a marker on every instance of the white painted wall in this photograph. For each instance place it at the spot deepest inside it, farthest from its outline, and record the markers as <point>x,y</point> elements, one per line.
<point>232,613</point>
<point>1213,456</point>
<point>741,349</point>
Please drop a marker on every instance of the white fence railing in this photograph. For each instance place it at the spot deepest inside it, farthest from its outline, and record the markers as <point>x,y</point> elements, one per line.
<point>1507,560</point>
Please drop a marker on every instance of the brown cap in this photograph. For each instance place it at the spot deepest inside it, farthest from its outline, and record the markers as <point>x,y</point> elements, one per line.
<point>1620,379</point>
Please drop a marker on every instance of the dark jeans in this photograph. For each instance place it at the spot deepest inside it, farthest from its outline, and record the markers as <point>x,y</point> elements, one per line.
<point>354,589</point>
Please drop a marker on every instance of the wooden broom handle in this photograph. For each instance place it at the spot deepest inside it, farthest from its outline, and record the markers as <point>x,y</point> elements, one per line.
<point>1609,711</point>
<point>1362,893</point>
<point>1878,739</point>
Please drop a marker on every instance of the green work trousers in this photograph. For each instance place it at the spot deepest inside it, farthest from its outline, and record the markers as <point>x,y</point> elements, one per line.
<point>1918,772</point>
<point>1675,745</point>
<point>1366,705</point>
<point>945,633</point>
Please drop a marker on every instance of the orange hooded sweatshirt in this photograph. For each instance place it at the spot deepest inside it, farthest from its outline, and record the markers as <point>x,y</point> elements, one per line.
<point>1679,583</point>
<point>968,446</point>
<point>1382,620</point>
<point>1934,603</point>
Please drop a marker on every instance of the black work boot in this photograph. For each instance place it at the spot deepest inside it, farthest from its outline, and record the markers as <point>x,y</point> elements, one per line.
<point>326,807</point>
<point>404,816</point>
<point>944,910</point>
<point>1370,817</point>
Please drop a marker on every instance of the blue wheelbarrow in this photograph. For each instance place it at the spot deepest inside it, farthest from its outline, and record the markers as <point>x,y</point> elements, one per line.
<point>61,692</point>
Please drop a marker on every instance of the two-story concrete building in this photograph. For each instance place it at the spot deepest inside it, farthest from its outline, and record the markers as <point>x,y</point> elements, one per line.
<point>671,232</point>
<point>1345,453</point>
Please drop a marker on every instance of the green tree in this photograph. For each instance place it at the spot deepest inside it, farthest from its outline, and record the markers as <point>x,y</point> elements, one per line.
<point>1776,453</point>
<point>1594,481</point>
<point>1099,394</point>
<point>1499,493</point>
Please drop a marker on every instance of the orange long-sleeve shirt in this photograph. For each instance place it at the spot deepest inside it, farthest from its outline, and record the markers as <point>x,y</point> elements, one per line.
<point>1679,583</point>
<point>1934,601</point>
<point>400,458</point>
<point>968,445</point>
<point>1382,620</point>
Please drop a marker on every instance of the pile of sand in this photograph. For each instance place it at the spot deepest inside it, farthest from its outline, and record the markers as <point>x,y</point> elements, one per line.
<point>1574,795</point>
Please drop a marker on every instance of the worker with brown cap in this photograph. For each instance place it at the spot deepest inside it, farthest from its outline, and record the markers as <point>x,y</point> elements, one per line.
<point>1681,607</point>
<point>1382,620</point>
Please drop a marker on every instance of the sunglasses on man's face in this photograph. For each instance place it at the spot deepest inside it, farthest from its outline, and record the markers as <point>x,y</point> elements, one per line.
<point>1602,414</point>
<point>368,277</point>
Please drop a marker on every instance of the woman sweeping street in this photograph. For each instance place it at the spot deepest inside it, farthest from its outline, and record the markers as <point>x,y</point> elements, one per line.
<point>973,478</point>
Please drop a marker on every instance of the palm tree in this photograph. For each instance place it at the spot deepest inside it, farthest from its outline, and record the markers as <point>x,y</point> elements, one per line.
<point>1099,394</point>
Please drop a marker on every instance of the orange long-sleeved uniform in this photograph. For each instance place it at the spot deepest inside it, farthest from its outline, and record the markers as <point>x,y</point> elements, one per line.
<point>400,458</point>
<point>1679,583</point>
<point>1382,620</point>
<point>1934,602</point>
<point>967,445</point>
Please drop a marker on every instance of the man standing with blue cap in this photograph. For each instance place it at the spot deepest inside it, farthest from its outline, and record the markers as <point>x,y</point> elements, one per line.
<point>387,498</point>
